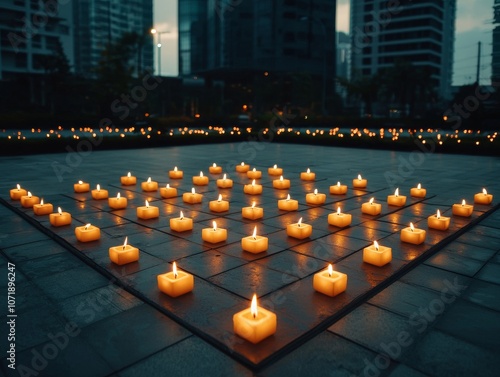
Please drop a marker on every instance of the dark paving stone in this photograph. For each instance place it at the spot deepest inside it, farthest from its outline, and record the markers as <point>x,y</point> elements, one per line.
<point>484,294</point>
<point>490,272</point>
<point>24,237</point>
<point>480,240</point>
<point>437,279</point>
<point>34,250</point>
<point>29,296</point>
<point>455,263</point>
<point>403,370</point>
<point>291,263</point>
<point>48,265</point>
<point>320,249</point>
<point>209,263</point>
<point>469,251</point>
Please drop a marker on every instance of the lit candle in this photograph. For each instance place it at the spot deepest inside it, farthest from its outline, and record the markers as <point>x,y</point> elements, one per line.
<point>168,192</point>
<point>252,213</point>
<point>87,233</point>
<point>377,255</point>
<point>254,244</point>
<point>28,201</point>
<point>288,204</point>
<point>200,180</point>
<point>315,198</point>
<point>99,194</point>
<point>128,180</point>
<point>463,209</point>
<point>359,182</point>
<point>224,182</point>
<point>307,175</point>
<point>483,197</point>
<point>175,174</point>
<point>275,170</point>
<point>81,187</point>
<point>148,212</point>
<point>17,193</point>
<point>123,254</point>
<point>176,282</point>
<point>43,208</point>
<point>438,222</point>
<point>299,230</point>
<point>339,219</point>
<point>329,282</point>
<point>60,218</point>
<point>418,192</point>
<point>371,208</point>
<point>219,205</point>
<point>214,234</point>
<point>255,323</point>
<point>192,197</point>
<point>396,199</point>
<point>149,185</point>
<point>214,169</point>
<point>281,183</point>
<point>252,189</point>
<point>117,203</point>
<point>181,223</point>
<point>254,174</point>
<point>338,189</point>
<point>242,168</point>
<point>413,235</point>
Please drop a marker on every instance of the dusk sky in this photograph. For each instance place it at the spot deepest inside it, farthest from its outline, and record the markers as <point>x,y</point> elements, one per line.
<point>473,24</point>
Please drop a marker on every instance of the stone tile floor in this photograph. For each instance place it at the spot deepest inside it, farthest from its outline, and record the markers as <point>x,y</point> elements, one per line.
<point>433,311</point>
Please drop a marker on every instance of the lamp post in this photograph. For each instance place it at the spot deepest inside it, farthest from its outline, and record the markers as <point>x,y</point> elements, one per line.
<point>323,29</point>
<point>158,33</point>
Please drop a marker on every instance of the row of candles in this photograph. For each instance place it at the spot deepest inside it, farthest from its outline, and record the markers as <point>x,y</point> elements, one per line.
<point>254,323</point>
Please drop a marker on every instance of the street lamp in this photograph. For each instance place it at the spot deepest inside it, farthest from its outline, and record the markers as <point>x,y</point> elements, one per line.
<point>323,29</point>
<point>159,33</point>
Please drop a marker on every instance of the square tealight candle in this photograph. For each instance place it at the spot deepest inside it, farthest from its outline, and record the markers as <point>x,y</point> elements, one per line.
<point>242,168</point>
<point>17,193</point>
<point>338,189</point>
<point>60,218</point>
<point>224,182</point>
<point>483,197</point>
<point>123,254</point>
<point>438,222</point>
<point>253,212</point>
<point>377,255</point>
<point>219,205</point>
<point>339,219</point>
<point>371,208</point>
<point>254,174</point>
<point>214,169</point>
<point>192,197</point>
<point>359,182</point>
<point>181,223</point>
<point>149,185</point>
<point>81,186</point>
<point>299,230</point>
<point>281,183</point>
<point>43,208</point>
<point>288,204</point>
<point>168,192</point>
<point>329,282</point>
<point>275,170</point>
<point>99,193</point>
<point>255,323</point>
<point>176,173</point>
<point>147,212</point>
<point>128,180</point>
<point>396,199</point>
<point>87,233</point>
<point>413,235</point>
<point>118,202</point>
<point>28,201</point>
<point>418,192</point>
<point>315,198</point>
<point>307,175</point>
<point>214,234</point>
<point>253,188</point>
<point>254,244</point>
<point>176,282</point>
<point>200,180</point>
<point>464,209</point>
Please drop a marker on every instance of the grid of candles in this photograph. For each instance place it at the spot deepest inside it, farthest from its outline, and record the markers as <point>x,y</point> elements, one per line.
<point>254,323</point>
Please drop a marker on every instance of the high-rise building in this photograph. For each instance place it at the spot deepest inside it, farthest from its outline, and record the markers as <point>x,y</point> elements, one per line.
<point>101,22</point>
<point>495,58</point>
<point>420,32</point>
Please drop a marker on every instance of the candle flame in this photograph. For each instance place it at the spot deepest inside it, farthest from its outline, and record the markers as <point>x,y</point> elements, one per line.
<point>174,269</point>
<point>338,210</point>
<point>220,198</point>
<point>253,182</point>
<point>224,176</point>
<point>253,306</point>
<point>149,180</point>
<point>396,193</point>
<point>253,204</point>
<point>129,174</point>
<point>18,186</point>
<point>419,186</point>
<point>87,226</point>
<point>80,182</point>
<point>125,243</point>
<point>330,270</point>
<point>463,202</point>
<point>254,235</point>
<point>29,194</point>
<point>315,191</point>
<point>182,216</point>
<point>59,210</point>
<point>371,200</point>
<point>438,214</point>
<point>118,196</point>
<point>412,228</point>
<point>192,191</point>
<point>201,174</point>
<point>168,185</point>
<point>308,170</point>
<point>275,166</point>
<point>242,163</point>
<point>214,165</point>
<point>175,168</point>
<point>254,170</point>
<point>41,202</point>
<point>98,187</point>
<point>485,192</point>
<point>147,204</point>
<point>338,183</point>
<point>299,223</point>
<point>288,197</point>
<point>281,178</point>
<point>375,243</point>
<point>359,177</point>
<point>214,224</point>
